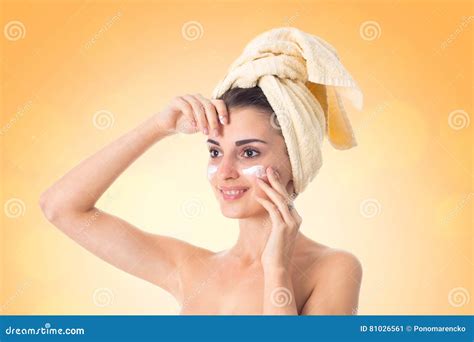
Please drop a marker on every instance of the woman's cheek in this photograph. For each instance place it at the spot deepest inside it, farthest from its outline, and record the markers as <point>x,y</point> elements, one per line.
<point>254,172</point>
<point>211,171</point>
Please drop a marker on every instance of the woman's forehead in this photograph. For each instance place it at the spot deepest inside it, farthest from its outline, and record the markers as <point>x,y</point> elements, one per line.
<point>248,114</point>
<point>249,123</point>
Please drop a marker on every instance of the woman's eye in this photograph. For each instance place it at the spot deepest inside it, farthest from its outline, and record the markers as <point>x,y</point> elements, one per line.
<point>248,153</point>
<point>213,153</point>
<point>251,153</point>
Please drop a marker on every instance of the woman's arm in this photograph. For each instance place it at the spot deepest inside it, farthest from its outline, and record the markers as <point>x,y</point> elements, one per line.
<point>279,298</point>
<point>69,204</point>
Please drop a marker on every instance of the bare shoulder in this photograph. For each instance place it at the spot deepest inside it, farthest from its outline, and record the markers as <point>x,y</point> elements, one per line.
<point>335,280</point>
<point>328,262</point>
<point>341,263</point>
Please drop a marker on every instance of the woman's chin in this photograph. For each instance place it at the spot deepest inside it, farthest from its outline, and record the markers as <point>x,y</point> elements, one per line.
<point>238,212</point>
<point>233,211</point>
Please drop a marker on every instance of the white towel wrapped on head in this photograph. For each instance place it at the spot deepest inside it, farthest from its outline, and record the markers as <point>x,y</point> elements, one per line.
<point>303,79</point>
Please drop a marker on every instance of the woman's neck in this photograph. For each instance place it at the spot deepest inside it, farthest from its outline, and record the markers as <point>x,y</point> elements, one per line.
<point>253,235</point>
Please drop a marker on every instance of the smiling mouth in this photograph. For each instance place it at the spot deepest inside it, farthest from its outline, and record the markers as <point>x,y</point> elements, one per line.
<point>230,195</point>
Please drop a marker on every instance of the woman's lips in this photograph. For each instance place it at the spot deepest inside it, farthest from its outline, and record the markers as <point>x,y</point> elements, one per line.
<point>231,195</point>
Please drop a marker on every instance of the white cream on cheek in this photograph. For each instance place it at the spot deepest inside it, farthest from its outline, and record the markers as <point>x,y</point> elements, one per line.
<point>256,170</point>
<point>211,171</point>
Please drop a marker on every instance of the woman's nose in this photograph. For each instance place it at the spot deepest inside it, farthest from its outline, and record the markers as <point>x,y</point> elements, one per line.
<point>228,169</point>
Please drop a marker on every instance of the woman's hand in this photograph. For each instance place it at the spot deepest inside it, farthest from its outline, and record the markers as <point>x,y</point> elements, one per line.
<point>190,113</point>
<point>285,223</point>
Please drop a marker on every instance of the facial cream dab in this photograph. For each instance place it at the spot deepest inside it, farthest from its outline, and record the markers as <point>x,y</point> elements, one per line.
<point>211,171</point>
<point>257,170</point>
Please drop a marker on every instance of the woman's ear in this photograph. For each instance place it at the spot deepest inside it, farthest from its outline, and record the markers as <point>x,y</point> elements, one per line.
<point>290,188</point>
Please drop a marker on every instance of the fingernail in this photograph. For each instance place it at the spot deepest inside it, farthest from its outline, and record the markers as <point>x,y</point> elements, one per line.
<point>206,131</point>
<point>221,119</point>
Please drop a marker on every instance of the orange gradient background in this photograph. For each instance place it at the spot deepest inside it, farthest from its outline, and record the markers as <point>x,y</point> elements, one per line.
<point>401,201</point>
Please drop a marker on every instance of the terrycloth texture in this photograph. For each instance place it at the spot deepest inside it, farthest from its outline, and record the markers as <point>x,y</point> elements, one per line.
<point>303,80</point>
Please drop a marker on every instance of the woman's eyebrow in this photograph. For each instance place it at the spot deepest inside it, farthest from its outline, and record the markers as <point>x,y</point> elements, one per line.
<point>238,143</point>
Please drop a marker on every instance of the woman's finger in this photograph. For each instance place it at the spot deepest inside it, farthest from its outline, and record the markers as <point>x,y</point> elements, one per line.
<point>211,114</point>
<point>277,185</point>
<point>199,112</point>
<point>278,200</point>
<point>186,108</point>
<point>272,210</point>
<point>221,110</point>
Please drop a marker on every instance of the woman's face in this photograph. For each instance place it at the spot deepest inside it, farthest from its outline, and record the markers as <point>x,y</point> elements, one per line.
<point>243,150</point>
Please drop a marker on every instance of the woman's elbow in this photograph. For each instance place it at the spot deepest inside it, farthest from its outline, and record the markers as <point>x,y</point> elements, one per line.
<point>47,207</point>
<point>53,208</point>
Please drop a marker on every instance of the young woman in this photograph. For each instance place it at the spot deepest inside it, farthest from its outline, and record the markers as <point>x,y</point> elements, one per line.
<point>272,268</point>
